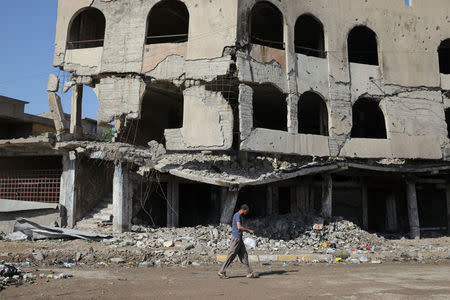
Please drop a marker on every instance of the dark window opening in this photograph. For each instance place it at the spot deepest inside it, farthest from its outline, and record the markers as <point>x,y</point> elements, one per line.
<point>432,206</point>
<point>168,22</point>
<point>269,108</point>
<point>162,108</point>
<point>447,120</point>
<point>255,198</point>
<point>87,30</point>
<point>444,57</point>
<point>309,37</point>
<point>10,129</point>
<point>312,114</point>
<point>284,200</point>
<point>368,120</point>
<point>267,25</point>
<point>362,46</point>
<point>199,204</point>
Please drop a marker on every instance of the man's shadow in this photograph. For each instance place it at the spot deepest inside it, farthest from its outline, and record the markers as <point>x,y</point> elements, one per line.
<point>267,273</point>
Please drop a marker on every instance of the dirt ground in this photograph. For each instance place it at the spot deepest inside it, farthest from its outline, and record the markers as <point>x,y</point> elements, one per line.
<point>398,281</point>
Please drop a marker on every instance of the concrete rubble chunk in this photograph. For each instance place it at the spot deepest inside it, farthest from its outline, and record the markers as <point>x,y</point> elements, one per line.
<point>53,83</point>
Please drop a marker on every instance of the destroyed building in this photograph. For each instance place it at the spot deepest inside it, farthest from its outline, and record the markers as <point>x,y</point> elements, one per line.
<point>339,108</point>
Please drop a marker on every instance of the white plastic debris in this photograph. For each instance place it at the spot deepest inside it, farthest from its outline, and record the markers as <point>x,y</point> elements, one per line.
<point>249,242</point>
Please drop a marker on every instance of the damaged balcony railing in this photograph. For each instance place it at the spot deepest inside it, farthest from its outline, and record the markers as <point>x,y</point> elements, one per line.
<point>30,185</point>
<point>167,38</point>
<point>86,44</point>
<point>267,43</point>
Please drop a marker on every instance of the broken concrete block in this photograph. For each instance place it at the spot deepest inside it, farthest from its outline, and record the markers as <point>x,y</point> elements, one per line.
<point>68,85</point>
<point>117,260</point>
<point>53,83</point>
<point>168,244</point>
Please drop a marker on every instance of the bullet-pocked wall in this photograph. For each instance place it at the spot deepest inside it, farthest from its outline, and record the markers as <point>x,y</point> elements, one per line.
<point>382,50</point>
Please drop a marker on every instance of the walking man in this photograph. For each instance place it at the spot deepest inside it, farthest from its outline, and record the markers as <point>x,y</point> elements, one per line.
<point>237,246</point>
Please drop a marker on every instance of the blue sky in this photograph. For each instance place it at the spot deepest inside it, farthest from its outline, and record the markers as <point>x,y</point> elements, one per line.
<point>27,31</point>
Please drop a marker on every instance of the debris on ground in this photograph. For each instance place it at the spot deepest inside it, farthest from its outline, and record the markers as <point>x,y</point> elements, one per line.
<point>25,229</point>
<point>331,241</point>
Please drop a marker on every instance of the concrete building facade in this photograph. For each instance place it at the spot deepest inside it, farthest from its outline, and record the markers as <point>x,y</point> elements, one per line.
<point>340,107</point>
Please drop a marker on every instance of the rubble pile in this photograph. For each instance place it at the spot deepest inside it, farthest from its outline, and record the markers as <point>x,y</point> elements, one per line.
<point>306,232</point>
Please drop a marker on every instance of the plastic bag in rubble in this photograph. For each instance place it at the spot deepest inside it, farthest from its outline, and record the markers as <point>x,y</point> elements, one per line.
<point>249,242</point>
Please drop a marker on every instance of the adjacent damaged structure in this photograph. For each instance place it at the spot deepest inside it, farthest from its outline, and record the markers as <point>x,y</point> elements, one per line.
<point>337,107</point>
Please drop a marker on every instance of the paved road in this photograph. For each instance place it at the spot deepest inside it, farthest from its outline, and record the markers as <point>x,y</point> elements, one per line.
<point>385,281</point>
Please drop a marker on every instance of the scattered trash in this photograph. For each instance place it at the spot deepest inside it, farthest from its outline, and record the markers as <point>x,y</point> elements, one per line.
<point>355,261</point>
<point>8,271</point>
<point>338,259</point>
<point>284,264</point>
<point>364,248</point>
<point>376,261</point>
<point>363,259</point>
<point>270,267</point>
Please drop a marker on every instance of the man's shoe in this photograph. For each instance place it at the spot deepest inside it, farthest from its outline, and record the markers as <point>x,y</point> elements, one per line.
<point>222,275</point>
<point>251,275</point>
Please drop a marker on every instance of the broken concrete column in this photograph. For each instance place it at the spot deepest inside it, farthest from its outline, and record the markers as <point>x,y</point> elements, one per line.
<point>173,203</point>
<point>364,205</point>
<point>69,189</point>
<point>229,200</point>
<point>391,213</point>
<point>76,127</point>
<point>54,102</point>
<point>413,212</point>
<point>327,196</point>
<point>121,200</point>
<point>448,206</point>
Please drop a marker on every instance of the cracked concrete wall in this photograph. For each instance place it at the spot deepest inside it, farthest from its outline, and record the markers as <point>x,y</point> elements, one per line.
<point>207,122</point>
<point>407,82</point>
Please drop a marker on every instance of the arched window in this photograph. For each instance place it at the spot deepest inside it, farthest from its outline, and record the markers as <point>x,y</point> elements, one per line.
<point>168,22</point>
<point>269,108</point>
<point>87,29</point>
<point>309,37</point>
<point>266,25</point>
<point>444,57</point>
<point>368,120</point>
<point>312,114</point>
<point>362,46</point>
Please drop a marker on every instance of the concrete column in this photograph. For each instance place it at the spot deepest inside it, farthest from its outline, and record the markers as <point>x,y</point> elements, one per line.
<point>69,190</point>
<point>391,213</point>
<point>327,196</point>
<point>75,117</point>
<point>413,213</point>
<point>121,200</point>
<point>229,200</point>
<point>448,207</point>
<point>173,203</point>
<point>269,200</point>
<point>365,205</point>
